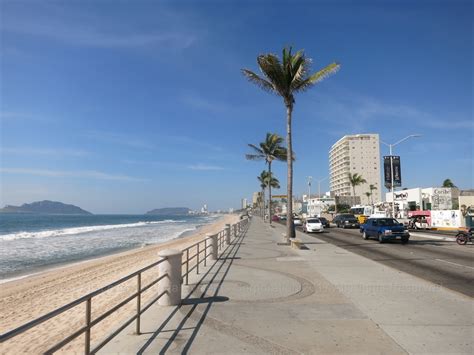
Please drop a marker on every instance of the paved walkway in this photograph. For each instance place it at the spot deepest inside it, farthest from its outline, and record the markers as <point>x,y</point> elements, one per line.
<point>261,297</point>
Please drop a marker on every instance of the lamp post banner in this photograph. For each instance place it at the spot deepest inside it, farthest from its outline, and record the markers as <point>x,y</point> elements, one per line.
<point>397,173</point>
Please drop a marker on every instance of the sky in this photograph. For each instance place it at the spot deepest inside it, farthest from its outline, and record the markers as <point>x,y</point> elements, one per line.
<point>126,106</point>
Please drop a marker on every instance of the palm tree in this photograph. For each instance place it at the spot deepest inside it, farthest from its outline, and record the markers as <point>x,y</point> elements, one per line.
<point>269,150</point>
<point>286,78</point>
<point>267,180</point>
<point>356,180</point>
<point>368,194</point>
<point>263,184</point>
<point>372,188</point>
<point>448,183</point>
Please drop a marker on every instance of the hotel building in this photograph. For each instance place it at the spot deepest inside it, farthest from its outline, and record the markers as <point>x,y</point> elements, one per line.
<point>355,154</point>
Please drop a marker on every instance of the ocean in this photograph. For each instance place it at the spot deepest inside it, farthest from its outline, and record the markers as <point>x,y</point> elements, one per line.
<point>30,243</point>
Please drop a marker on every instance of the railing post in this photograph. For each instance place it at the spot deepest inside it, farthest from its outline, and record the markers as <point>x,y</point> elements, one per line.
<point>187,266</point>
<point>172,283</point>
<point>205,252</point>
<point>197,263</point>
<point>139,301</point>
<point>227,234</point>
<point>87,347</point>
<point>214,245</point>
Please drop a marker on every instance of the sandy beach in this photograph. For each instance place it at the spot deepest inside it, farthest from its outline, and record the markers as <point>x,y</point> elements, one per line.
<point>26,299</point>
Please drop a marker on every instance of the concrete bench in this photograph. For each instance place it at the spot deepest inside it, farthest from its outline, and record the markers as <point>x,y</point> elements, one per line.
<point>296,243</point>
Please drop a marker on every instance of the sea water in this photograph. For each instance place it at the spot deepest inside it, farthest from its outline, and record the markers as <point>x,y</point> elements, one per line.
<point>32,242</point>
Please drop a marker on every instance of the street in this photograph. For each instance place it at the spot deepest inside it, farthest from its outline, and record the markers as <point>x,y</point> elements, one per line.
<point>442,262</point>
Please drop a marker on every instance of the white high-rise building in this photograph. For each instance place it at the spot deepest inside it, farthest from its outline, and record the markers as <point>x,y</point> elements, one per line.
<point>355,154</point>
<point>244,203</point>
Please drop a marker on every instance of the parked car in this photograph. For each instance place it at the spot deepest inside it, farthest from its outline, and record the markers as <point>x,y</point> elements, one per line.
<point>325,222</point>
<point>275,218</point>
<point>313,225</point>
<point>282,217</point>
<point>297,221</point>
<point>346,220</point>
<point>384,229</point>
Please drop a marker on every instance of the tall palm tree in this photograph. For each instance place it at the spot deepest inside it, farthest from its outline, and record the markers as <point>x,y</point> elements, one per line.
<point>372,188</point>
<point>269,150</point>
<point>286,78</point>
<point>368,194</point>
<point>356,180</point>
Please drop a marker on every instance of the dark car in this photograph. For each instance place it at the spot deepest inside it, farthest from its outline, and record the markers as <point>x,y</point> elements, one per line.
<point>346,220</point>
<point>384,229</point>
<point>325,222</point>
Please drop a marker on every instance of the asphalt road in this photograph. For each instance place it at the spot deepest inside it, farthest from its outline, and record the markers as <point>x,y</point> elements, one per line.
<point>442,262</point>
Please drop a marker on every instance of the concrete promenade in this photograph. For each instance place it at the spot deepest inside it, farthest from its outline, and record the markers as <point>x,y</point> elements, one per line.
<point>261,297</point>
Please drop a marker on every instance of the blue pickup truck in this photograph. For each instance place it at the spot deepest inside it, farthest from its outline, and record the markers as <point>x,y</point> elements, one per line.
<point>384,229</point>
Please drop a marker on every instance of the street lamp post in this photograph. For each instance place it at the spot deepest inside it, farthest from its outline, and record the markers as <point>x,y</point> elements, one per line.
<point>309,193</point>
<point>390,146</point>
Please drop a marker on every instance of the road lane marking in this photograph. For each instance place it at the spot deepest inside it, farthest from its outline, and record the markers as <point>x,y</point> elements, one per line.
<point>429,236</point>
<point>449,262</point>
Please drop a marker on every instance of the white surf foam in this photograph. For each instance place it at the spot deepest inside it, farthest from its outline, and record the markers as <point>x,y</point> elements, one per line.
<point>79,230</point>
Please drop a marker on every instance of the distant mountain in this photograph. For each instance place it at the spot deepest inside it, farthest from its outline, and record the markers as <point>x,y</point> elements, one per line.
<point>44,207</point>
<point>173,211</point>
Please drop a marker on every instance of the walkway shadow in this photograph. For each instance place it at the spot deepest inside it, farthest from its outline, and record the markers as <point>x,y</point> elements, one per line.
<point>221,269</point>
<point>204,300</point>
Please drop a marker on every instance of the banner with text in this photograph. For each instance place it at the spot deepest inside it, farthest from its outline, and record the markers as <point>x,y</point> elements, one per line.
<point>388,162</point>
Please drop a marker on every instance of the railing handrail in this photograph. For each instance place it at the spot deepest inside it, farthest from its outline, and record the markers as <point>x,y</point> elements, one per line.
<point>62,309</point>
<point>88,297</point>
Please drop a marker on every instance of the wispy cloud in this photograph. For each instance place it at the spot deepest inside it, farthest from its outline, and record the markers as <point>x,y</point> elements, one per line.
<point>86,174</point>
<point>358,110</point>
<point>12,116</point>
<point>119,139</point>
<point>201,103</point>
<point>205,167</point>
<point>69,26</point>
<point>57,152</point>
<point>195,142</point>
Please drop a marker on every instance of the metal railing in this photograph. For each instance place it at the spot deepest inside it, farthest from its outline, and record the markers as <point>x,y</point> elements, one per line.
<point>87,299</point>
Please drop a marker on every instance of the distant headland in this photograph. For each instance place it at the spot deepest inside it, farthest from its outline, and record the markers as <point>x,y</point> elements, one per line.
<point>170,211</point>
<point>45,207</point>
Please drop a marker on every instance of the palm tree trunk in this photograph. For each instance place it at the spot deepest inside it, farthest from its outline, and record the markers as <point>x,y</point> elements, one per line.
<point>290,227</point>
<point>262,204</point>
<point>270,192</point>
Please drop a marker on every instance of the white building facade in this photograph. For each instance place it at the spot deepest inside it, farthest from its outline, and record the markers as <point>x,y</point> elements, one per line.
<point>316,206</point>
<point>355,154</point>
<point>432,198</point>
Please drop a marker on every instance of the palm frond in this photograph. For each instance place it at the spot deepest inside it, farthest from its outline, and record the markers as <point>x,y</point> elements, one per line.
<point>256,149</point>
<point>325,72</point>
<point>271,67</point>
<point>317,77</point>
<point>257,80</point>
<point>254,157</point>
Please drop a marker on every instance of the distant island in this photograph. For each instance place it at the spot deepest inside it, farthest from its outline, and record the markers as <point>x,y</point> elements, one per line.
<point>45,207</point>
<point>170,211</point>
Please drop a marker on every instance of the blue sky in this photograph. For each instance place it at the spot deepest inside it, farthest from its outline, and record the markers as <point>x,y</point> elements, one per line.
<point>121,107</point>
